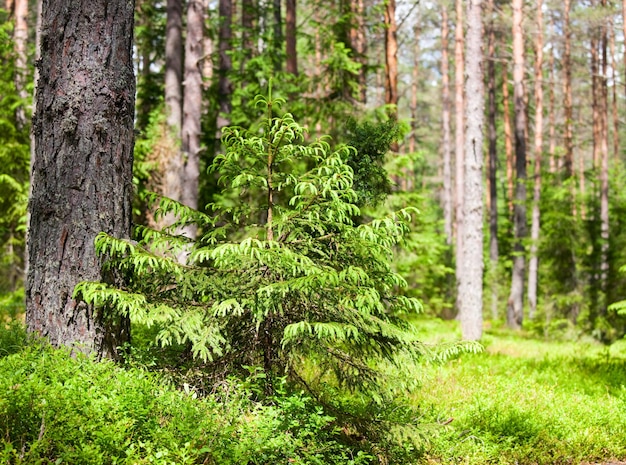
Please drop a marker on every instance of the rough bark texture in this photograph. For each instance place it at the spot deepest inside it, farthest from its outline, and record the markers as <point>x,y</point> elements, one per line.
<point>225,64</point>
<point>470,296</point>
<point>551,107</point>
<point>533,263</point>
<point>493,163</point>
<point>291,38</point>
<point>82,174</point>
<point>515,304</point>
<point>508,136</point>
<point>391,58</point>
<point>192,106</point>
<point>445,121</point>
<point>459,149</point>
<point>174,66</point>
<point>278,35</point>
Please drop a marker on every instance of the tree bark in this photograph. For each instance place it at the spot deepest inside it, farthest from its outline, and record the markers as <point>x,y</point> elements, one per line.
<point>174,67</point>
<point>291,37</point>
<point>445,121</point>
<point>358,41</point>
<point>493,162</point>
<point>533,263</point>
<point>508,137</point>
<point>515,305</point>
<point>278,35</point>
<point>391,59</point>
<point>225,64</point>
<point>459,148</point>
<point>470,296</point>
<point>567,93</point>
<point>82,174</point>
<point>192,107</point>
<point>604,162</point>
<point>20,37</point>
<point>551,107</point>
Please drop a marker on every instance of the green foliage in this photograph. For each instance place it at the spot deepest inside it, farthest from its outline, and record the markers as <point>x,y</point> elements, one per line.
<point>14,165</point>
<point>279,276</point>
<point>55,408</point>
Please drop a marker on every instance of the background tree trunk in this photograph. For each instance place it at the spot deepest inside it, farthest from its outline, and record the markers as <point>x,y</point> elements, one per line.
<point>508,136</point>
<point>471,284</point>
<point>391,59</point>
<point>567,93</point>
<point>445,121</point>
<point>174,67</point>
<point>225,64</point>
<point>291,37</point>
<point>533,263</point>
<point>20,36</point>
<point>82,175</point>
<point>459,148</point>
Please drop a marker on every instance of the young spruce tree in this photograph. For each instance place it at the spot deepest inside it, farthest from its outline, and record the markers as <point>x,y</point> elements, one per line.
<point>280,276</point>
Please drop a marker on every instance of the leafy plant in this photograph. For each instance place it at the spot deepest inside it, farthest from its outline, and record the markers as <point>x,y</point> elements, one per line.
<point>279,275</point>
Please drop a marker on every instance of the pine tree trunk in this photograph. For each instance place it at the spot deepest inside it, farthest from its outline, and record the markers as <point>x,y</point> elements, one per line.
<point>391,59</point>
<point>445,121</point>
<point>604,162</point>
<point>225,64</point>
<point>192,107</point>
<point>459,146</point>
<point>414,88</point>
<point>470,296</point>
<point>508,136</point>
<point>358,41</point>
<point>174,67</point>
<point>82,174</point>
<point>515,305</point>
<point>291,37</point>
<point>20,37</point>
<point>533,264</point>
<point>493,163</point>
<point>551,108</point>
<point>278,35</point>
<point>567,93</point>
<point>614,112</point>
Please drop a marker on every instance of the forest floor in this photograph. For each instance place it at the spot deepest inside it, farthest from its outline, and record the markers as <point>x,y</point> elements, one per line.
<point>524,400</point>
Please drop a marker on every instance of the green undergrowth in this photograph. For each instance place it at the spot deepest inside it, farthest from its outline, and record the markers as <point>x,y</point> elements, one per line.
<point>525,401</point>
<point>63,410</point>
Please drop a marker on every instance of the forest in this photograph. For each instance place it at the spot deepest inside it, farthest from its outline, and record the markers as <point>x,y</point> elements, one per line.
<point>312,232</point>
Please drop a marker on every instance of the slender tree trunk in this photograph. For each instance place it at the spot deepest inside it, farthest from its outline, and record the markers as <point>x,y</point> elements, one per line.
<point>493,162</point>
<point>291,37</point>
<point>391,59</point>
<point>248,14</point>
<point>192,106</point>
<point>207,50</point>
<point>604,162</point>
<point>508,137</point>
<point>174,67</point>
<point>278,35</point>
<point>551,108</point>
<point>515,305</point>
<point>20,36</point>
<point>414,88</point>
<point>615,77</point>
<point>459,146</point>
<point>470,296</point>
<point>82,174</point>
<point>445,121</point>
<point>595,94</point>
<point>358,41</point>
<point>567,93</point>
<point>533,264</point>
<point>225,64</point>
<point>624,35</point>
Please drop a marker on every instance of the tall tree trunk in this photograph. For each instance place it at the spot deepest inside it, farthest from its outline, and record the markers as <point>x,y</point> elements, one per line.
<point>174,67</point>
<point>278,35</point>
<point>20,36</point>
<point>207,50</point>
<point>615,77</point>
<point>595,94</point>
<point>248,15</point>
<point>445,121</point>
<point>82,174</point>
<point>604,162</point>
<point>533,264</point>
<point>358,42</point>
<point>508,137</point>
<point>551,107</point>
<point>515,305</point>
<point>192,107</point>
<point>291,37</point>
<point>391,59</point>
<point>459,146</point>
<point>493,162</point>
<point>567,93</point>
<point>470,296</point>
<point>414,88</point>
<point>225,64</point>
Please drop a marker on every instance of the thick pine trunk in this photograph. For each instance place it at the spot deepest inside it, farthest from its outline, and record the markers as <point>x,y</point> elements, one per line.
<point>291,37</point>
<point>445,121</point>
<point>515,305</point>
<point>470,296</point>
<point>82,174</point>
<point>533,263</point>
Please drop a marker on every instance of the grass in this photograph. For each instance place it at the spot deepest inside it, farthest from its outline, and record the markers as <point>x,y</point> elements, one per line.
<point>525,401</point>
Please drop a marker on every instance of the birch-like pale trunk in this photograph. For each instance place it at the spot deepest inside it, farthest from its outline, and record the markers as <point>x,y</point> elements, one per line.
<point>470,296</point>
<point>445,122</point>
<point>533,263</point>
<point>459,147</point>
